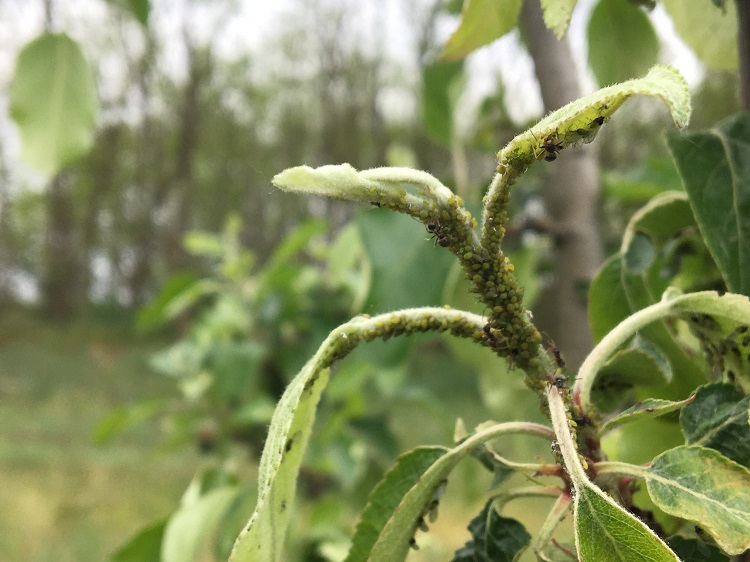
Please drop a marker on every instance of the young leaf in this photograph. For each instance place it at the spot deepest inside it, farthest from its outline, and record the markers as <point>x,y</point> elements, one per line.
<point>649,408</point>
<point>262,539</point>
<point>580,121</point>
<point>54,103</point>
<point>387,495</point>
<point>605,531</point>
<point>494,538</point>
<point>189,527</point>
<point>710,32</point>
<point>617,27</point>
<point>718,419</point>
<point>703,486</point>
<point>482,21</point>
<point>730,307</point>
<point>718,187</point>
<point>382,186</point>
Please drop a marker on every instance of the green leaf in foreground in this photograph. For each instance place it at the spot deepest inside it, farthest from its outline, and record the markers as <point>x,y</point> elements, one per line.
<point>718,187</point>
<point>703,486</point>
<point>649,408</point>
<point>605,531</point>
<point>494,538</point>
<point>53,101</point>
<point>718,419</point>
<point>387,495</point>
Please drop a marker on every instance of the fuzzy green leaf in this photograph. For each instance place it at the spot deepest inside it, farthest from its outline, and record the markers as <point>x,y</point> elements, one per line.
<point>622,42</point>
<point>398,188</point>
<point>387,496</point>
<point>729,307</point>
<point>557,14</point>
<point>649,408</point>
<point>605,531</point>
<point>717,182</point>
<point>580,121</point>
<point>53,101</point>
<point>718,419</point>
<point>482,21</point>
<point>703,486</point>
<point>710,32</point>
<point>494,538</point>
<point>262,539</point>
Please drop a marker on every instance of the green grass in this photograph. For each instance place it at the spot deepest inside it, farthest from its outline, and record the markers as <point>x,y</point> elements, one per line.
<point>63,497</point>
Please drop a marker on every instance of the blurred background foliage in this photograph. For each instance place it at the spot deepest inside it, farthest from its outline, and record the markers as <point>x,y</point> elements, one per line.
<point>157,293</point>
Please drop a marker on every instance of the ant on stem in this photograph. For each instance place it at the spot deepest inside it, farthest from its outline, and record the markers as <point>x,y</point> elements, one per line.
<point>437,233</point>
<point>548,148</point>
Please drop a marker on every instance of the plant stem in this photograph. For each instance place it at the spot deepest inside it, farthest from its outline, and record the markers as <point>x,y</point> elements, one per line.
<point>561,425</point>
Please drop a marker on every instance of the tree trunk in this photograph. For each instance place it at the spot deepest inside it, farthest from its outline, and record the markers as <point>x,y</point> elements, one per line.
<point>200,70</point>
<point>61,260</point>
<point>571,196</point>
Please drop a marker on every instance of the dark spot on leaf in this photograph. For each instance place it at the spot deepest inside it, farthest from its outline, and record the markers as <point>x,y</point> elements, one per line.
<point>288,445</point>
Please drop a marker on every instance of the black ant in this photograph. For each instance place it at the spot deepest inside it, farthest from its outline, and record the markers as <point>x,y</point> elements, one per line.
<point>549,148</point>
<point>437,233</point>
<point>559,380</point>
